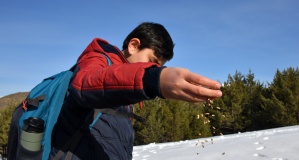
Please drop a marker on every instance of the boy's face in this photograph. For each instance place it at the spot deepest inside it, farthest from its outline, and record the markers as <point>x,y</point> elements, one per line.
<point>144,55</point>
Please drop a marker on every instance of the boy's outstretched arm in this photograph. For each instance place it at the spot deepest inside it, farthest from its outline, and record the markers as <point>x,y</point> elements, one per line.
<point>181,84</point>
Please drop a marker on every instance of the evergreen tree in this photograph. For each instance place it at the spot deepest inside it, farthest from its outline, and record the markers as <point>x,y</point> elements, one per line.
<point>246,105</point>
<point>240,103</point>
<point>5,119</point>
<point>282,98</point>
<point>152,129</point>
<point>214,115</point>
<point>180,120</point>
<point>169,120</point>
<point>233,94</point>
<point>274,113</point>
<point>199,123</point>
<point>252,103</point>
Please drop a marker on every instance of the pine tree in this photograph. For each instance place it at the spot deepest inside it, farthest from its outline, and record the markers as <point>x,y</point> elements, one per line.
<point>240,103</point>
<point>169,120</point>
<point>199,123</point>
<point>252,102</point>
<point>246,105</point>
<point>233,94</point>
<point>5,119</point>
<point>152,130</point>
<point>282,98</point>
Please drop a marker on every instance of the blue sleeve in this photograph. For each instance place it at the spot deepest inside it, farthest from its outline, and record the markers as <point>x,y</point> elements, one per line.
<point>151,82</point>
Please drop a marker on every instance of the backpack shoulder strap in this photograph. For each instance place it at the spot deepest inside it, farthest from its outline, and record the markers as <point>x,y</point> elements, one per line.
<point>73,142</point>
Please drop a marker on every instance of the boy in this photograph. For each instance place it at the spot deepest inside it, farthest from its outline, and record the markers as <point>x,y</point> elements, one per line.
<point>136,74</point>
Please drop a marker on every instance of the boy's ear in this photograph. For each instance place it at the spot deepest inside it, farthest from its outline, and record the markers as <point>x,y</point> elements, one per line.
<point>133,46</point>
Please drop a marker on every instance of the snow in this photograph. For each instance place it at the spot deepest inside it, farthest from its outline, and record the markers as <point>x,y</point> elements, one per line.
<point>272,144</point>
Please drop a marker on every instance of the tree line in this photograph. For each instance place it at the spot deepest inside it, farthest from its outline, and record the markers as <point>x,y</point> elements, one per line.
<point>246,105</point>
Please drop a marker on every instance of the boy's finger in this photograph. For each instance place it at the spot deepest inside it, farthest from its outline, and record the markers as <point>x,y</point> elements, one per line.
<point>203,81</point>
<point>198,92</point>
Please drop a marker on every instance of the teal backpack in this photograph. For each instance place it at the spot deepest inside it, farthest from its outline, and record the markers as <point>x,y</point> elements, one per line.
<point>43,102</point>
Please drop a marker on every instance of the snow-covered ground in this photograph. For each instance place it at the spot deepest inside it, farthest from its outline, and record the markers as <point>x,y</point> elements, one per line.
<point>272,144</point>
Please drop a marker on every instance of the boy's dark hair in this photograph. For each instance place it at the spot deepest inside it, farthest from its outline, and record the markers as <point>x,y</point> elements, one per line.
<point>153,36</point>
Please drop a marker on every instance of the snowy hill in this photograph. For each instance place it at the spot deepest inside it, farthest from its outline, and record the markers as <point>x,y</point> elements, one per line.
<point>272,144</point>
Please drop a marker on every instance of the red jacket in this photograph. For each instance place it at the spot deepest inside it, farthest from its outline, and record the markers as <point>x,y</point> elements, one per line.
<point>98,85</point>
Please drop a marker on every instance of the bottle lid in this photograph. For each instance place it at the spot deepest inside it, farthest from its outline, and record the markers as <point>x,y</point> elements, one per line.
<point>33,125</point>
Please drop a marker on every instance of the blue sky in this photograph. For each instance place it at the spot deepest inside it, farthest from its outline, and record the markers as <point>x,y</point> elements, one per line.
<point>213,38</point>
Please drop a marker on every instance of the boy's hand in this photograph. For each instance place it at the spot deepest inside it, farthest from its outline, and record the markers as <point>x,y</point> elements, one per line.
<point>181,84</point>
